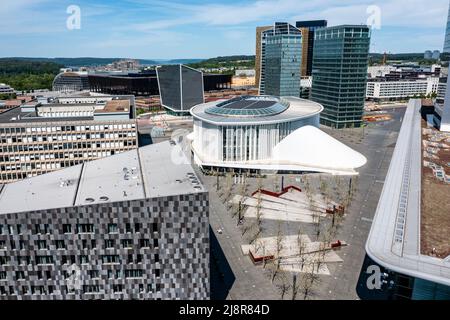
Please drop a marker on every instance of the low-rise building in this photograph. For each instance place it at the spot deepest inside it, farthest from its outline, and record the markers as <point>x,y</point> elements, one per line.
<point>36,138</point>
<point>384,89</point>
<point>6,89</point>
<point>409,233</point>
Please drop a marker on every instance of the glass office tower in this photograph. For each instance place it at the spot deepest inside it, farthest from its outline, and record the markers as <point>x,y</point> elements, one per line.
<point>281,55</point>
<point>307,28</point>
<point>340,73</point>
<point>447,34</point>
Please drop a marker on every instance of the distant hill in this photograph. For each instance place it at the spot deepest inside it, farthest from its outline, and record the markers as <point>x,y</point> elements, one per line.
<point>179,61</point>
<point>404,57</point>
<point>28,74</point>
<point>80,62</point>
<point>239,61</point>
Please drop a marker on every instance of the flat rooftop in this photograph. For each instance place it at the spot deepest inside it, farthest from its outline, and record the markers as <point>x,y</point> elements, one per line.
<point>15,115</point>
<point>435,204</point>
<point>395,237</point>
<point>115,106</point>
<point>156,170</point>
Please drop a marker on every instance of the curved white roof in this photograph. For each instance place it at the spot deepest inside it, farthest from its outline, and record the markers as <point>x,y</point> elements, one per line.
<point>298,109</point>
<point>310,147</point>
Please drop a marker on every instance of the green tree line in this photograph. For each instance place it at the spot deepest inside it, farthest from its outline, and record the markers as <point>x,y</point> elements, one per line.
<point>27,75</point>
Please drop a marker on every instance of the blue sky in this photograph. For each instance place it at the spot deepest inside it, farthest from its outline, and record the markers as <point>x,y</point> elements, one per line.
<point>157,29</point>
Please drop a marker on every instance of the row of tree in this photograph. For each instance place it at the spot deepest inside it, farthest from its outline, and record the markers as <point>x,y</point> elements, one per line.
<point>325,229</point>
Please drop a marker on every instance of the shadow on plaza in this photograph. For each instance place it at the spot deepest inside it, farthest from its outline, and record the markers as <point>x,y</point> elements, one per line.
<point>222,277</point>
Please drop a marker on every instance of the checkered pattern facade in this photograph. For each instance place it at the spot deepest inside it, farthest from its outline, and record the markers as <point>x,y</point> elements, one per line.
<point>145,249</point>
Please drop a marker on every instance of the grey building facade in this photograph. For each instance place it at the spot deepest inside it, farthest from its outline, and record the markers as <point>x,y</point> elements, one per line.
<point>37,138</point>
<point>180,88</point>
<point>118,228</point>
<point>340,73</point>
<point>281,55</point>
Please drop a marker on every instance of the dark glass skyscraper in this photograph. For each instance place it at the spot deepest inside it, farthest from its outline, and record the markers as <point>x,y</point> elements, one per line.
<point>281,55</point>
<point>180,88</point>
<point>308,28</point>
<point>340,73</point>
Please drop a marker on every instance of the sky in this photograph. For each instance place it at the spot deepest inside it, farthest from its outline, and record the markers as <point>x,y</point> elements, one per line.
<point>157,29</point>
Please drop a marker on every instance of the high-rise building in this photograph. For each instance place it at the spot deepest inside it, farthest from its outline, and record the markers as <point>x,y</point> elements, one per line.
<point>37,138</point>
<point>436,55</point>
<point>340,73</point>
<point>281,56</point>
<point>131,226</point>
<point>180,88</point>
<point>307,28</point>
<point>428,55</point>
<point>447,34</point>
<point>259,63</point>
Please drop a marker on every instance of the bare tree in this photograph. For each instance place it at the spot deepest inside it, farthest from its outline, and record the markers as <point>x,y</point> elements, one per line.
<point>301,249</point>
<point>278,248</point>
<point>307,283</point>
<point>295,287</point>
<point>282,284</point>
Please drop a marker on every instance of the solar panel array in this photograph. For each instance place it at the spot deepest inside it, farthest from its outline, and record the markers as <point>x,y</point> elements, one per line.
<point>248,106</point>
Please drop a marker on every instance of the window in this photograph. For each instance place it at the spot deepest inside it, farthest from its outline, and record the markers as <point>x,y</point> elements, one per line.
<point>67,228</point>
<point>83,259</point>
<point>4,260</point>
<point>25,290</point>
<point>127,243</point>
<point>2,275</point>
<point>2,245</point>
<point>117,287</point>
<point>144,243</point>
<point>110,259</point>
<point>91,288</point>
<point>21,244</point>
<point>94,274</point>
<point>44,259</point>
<point>23,260</point>
<point>41,244</point>
<point>42,228</point>
<point>137,227</point>
<point>112,228</point>
<point>20,275</point>
<point>109,243</point>
<point>128,227</point>
<point>134,273</point>
<point>85,228</point>
<point>60,244</point>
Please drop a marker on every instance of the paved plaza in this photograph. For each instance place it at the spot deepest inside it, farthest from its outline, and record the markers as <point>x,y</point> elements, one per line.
<point>234,272</point>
